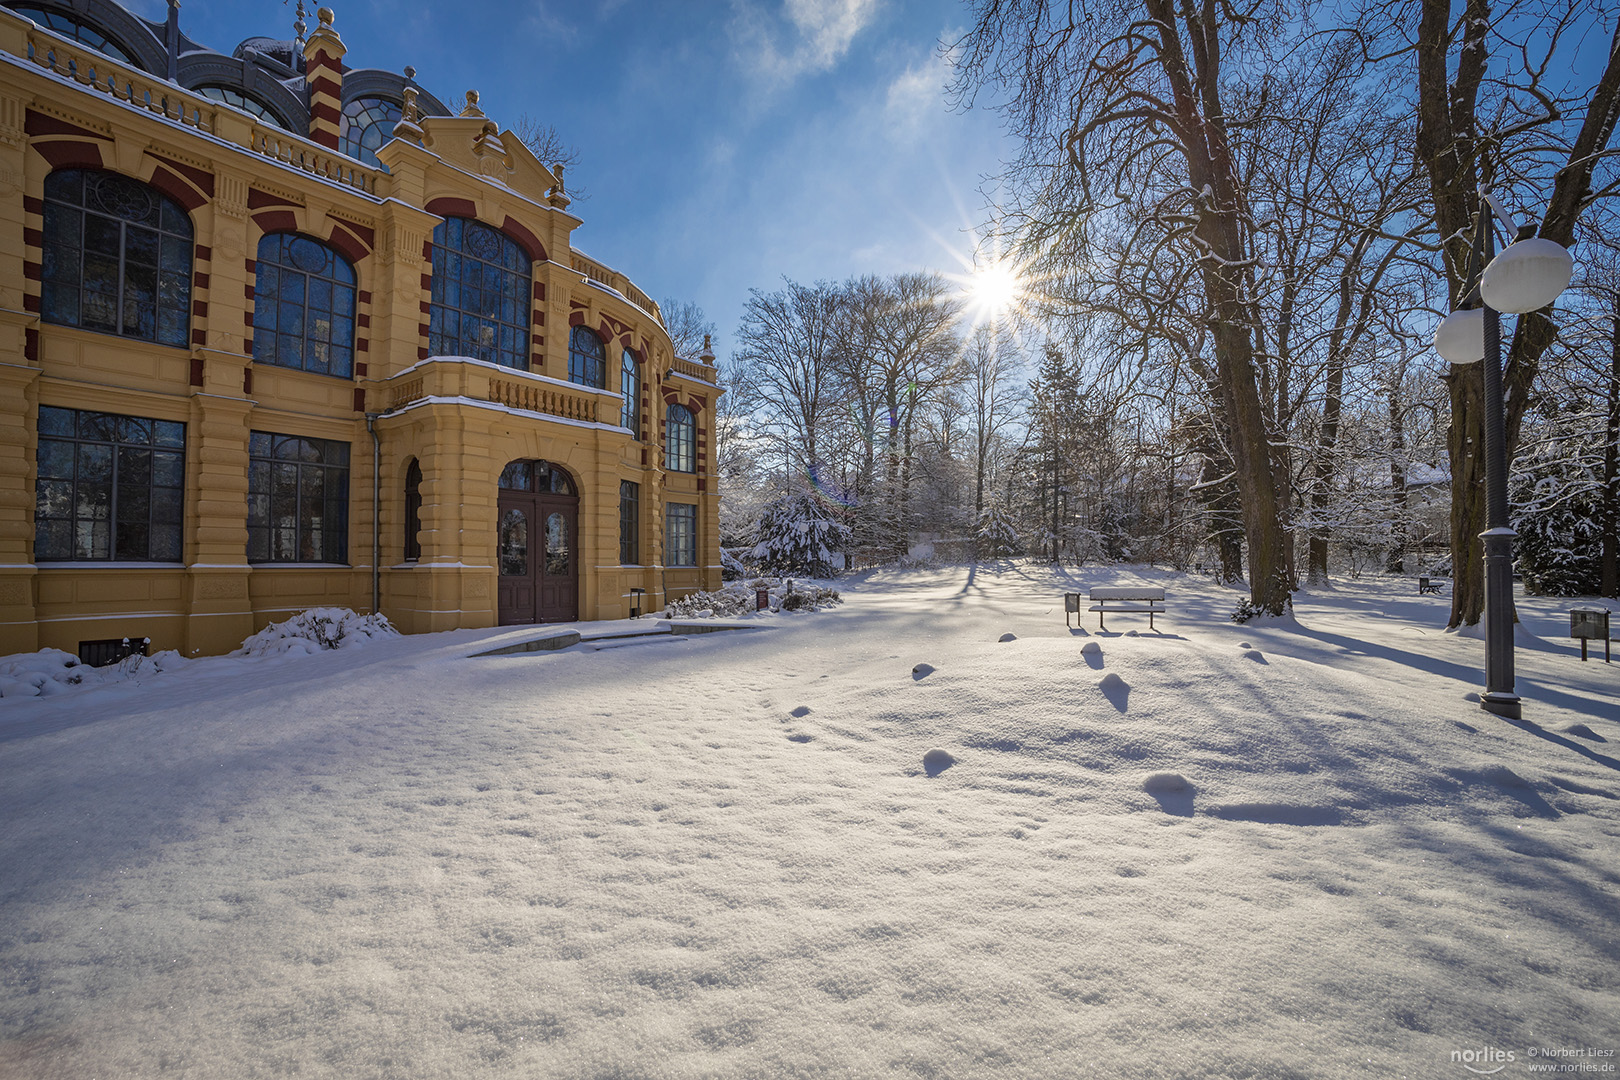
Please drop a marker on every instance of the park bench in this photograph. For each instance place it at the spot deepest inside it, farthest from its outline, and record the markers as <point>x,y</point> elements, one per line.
<point>1120,599</point>
<point>1428,585</point>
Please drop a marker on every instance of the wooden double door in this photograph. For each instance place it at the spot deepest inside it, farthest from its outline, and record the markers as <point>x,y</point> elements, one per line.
<point>537,547</point>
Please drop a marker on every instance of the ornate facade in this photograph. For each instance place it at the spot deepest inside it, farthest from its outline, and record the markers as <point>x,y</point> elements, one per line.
<point>280,333</point>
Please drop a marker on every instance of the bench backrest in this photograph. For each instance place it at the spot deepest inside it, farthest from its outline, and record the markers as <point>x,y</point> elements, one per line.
<point>1123,593</point>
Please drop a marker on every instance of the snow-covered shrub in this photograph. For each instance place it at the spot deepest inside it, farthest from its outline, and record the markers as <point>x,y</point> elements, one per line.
<point>41,673</point>
<point>316,630</point>
<point>51,671</point>
<point>994,535</point>
<point>731,567</point>
<point>742,598</point>
<point>798,535</point>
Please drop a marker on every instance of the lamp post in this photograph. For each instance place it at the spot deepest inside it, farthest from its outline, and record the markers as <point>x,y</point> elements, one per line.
<point>1528,275</point>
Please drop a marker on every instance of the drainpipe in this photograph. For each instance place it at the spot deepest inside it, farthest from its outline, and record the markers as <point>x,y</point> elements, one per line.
<point>376,513</point>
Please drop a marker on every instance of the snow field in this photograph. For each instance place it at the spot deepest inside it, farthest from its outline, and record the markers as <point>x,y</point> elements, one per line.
<point>725,856</point>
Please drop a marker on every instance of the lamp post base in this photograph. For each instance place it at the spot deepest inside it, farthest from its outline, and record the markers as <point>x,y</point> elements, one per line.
<point>1501,705</point>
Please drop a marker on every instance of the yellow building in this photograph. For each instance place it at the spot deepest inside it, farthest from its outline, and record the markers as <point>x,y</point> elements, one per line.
<point>279,333</point>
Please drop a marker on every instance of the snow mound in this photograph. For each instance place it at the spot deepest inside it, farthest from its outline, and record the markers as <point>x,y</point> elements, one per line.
<point>1244,645</point>
<point>1165,781</point>
<point>1008,637</point>
<point>38,674</point>
<point>316,630</point>
<point>1133,633</point>
<point>1584,732</point>
<point>922,671</point>
<point>1091,648</point>
<point>53,671</point>
<point>1112,681</point>
<point>1256,655</point>
<point>937,761</point>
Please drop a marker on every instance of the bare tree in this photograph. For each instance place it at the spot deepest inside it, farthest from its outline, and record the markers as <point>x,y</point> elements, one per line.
<point>1117,105</point>
<point>548,145</point>
<point>896,347</point>
<point>690,331</point>
<point>784,352</point>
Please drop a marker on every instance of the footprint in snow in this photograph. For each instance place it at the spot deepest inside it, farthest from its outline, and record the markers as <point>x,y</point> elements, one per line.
<point>922,671</point>
<point>802,710</point>
<point>937,761</point>
<point>1584,732</point>
<point>1256,655</point>
<point>1244,645</point>
<point>799,737</point>
<point>1172,791</point>
<point>1116,690</point>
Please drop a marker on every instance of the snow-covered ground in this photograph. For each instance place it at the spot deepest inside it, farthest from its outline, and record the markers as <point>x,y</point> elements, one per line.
<point>721,855</point>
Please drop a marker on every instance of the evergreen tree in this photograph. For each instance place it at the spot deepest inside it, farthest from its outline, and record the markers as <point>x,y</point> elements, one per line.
<point>797,534</point>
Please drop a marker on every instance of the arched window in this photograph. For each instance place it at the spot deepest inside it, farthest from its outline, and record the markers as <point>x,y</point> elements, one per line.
<point>481,295</point>
<point>85,34</point>
<point>232,96</point>
<point>587,359</point>
<point>116,257</point>
<point>413,511</point>
<point>367,123</point>
<point>680,451</point>
<point>630,387</point>
<point>539,476</point>
<point>303,306</point>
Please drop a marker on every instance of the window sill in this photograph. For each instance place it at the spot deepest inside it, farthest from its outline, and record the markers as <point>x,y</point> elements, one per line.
<point>107,564</point>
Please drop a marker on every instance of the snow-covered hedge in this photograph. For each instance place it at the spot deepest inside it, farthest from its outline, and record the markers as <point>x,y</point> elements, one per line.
<point>741,598</point>
<point>51,671</point>
<point>316,630</point>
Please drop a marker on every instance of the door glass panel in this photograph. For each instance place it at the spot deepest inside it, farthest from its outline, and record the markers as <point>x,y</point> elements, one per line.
<point>514,543</point>
<point>557,544</point>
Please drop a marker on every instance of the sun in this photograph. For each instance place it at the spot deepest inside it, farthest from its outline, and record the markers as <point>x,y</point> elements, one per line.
<point>993,289</point>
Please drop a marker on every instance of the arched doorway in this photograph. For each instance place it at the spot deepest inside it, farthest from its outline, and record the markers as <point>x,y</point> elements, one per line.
<point>537,544</point>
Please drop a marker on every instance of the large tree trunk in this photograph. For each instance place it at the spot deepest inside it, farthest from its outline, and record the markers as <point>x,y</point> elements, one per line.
<point>1611,473</point>
<point>1201,117</point>
<point>1465,442</point>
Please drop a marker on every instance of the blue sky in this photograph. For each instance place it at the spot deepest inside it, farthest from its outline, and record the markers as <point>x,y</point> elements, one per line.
<point>723,143</point>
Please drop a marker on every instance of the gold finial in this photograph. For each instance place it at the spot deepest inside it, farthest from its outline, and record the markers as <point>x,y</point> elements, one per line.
<point>325,15</point>
<point>472,108</point>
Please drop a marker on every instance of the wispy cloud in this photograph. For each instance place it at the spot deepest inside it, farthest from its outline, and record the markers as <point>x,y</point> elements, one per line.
<point>800,37</point>
<point>916,98</point>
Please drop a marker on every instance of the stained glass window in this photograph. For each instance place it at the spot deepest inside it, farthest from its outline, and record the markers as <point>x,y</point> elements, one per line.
<point>115,257</point>
<point>108,487</point>
<point>367,123</point>
<point>481,295</point>
<point>587,359</point>
<point>298,499</point>
<point>680,452</point>
<point>303,306</point>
